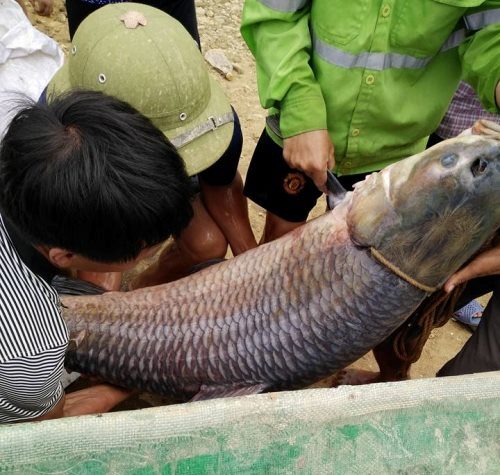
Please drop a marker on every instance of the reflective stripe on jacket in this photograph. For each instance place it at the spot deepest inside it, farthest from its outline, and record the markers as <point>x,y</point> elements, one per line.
<point>379,75</point>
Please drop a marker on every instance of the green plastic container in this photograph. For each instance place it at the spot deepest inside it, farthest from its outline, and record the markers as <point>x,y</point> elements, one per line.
<point>428,426</point>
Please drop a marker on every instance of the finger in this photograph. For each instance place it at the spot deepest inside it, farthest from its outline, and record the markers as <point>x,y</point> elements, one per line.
<point>450,284</point>
<point>331,162</point>
<point>289,160</point>
<point>463,275</point>
<point>319,178</point>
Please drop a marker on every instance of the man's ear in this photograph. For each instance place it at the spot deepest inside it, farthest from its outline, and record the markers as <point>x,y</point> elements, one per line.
<point>60,258</point>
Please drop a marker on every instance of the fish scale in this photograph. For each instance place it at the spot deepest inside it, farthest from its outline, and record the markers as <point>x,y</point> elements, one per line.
<point>299,308</point>
<point>288,308</point>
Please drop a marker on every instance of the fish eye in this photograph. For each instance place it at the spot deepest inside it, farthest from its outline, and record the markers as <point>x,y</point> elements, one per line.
<point>478,166</point>
<point>449,160</point>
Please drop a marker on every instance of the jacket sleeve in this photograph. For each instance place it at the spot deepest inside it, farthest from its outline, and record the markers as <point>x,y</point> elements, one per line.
<point>480,52</point>
<point>277,33</point>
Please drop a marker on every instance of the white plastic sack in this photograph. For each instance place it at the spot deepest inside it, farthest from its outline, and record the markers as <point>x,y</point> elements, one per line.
<point>28,59</point>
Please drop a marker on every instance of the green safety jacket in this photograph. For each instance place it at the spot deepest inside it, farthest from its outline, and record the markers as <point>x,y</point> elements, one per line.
<point>378,74</point>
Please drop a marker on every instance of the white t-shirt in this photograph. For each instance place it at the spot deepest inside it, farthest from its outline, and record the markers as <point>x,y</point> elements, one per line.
<point>33,339</point>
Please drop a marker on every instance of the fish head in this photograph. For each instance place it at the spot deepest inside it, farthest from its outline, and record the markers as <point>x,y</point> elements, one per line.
<point>428,214</point>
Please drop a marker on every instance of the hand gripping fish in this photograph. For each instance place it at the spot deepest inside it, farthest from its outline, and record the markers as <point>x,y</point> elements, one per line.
<point>300,308</point>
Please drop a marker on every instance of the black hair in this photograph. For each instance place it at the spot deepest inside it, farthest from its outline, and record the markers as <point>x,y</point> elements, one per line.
<point>88,173</point>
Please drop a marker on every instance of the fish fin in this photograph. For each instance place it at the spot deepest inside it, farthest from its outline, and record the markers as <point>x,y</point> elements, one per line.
<point>76,340</point>
<point>213,392</point>
<point>67,286</point>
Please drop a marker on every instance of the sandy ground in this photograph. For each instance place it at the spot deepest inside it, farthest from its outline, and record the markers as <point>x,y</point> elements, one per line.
<point>219,28</point>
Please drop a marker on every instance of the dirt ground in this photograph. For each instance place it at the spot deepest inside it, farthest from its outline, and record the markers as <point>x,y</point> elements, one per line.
<point>219,28</point>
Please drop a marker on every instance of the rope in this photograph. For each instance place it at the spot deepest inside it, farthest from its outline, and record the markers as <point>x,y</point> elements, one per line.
<point>410,338</point>
<point>377,255</point>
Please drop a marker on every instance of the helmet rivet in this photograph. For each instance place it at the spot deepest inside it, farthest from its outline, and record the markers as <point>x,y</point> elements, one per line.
<point>183,116</point>
<point>73,49</point>
<point>102,78</point>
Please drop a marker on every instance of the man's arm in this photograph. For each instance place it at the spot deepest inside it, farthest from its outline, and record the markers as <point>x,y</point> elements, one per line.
<point>93,400</point>
<point>487,263</point>
<point>281,42</point>
<point>38,394</point>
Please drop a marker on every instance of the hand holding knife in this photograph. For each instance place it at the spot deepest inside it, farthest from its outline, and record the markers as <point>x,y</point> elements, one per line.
<point>335,190</point>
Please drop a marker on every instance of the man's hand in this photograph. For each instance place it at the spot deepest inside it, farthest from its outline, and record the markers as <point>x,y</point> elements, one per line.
<point>311,153</point>
<point>42,7</point>
<point>93,400</point>
<point>487,263</point>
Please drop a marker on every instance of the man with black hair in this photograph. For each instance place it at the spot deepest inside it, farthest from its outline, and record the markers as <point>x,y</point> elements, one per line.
<point>86,182</point>
<point>144,57</point>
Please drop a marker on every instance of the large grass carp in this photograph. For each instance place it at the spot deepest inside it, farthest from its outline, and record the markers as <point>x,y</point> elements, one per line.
<point>300,308</point>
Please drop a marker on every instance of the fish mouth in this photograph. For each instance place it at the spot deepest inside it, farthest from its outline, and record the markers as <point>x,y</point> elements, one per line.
<point>489,130</point>
<point>478,167</point>
<point>487,163</point>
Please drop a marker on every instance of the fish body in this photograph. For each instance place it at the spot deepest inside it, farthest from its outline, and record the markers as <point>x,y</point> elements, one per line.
<point>299,308</point>
<point>282,315</point>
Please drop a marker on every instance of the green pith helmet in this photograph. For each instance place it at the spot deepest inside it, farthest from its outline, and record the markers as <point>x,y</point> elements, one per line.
<point>143,56</point>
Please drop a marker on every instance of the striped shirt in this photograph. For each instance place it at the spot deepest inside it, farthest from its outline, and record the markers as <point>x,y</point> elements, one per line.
<point>464,110</point>
<point>33,339</point>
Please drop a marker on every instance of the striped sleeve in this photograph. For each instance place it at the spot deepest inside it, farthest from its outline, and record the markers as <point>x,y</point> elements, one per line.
<point>31,386</point>
<point>33,339</point>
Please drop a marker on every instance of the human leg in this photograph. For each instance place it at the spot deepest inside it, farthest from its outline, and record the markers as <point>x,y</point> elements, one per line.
<point>200,241</point>
<point>228,207</point>
<point>221,189</point>
<point>275,227</point>
<point>220,217</point>
<point>77,11</point>
<point>482,351</point>
<point>183,11</point>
